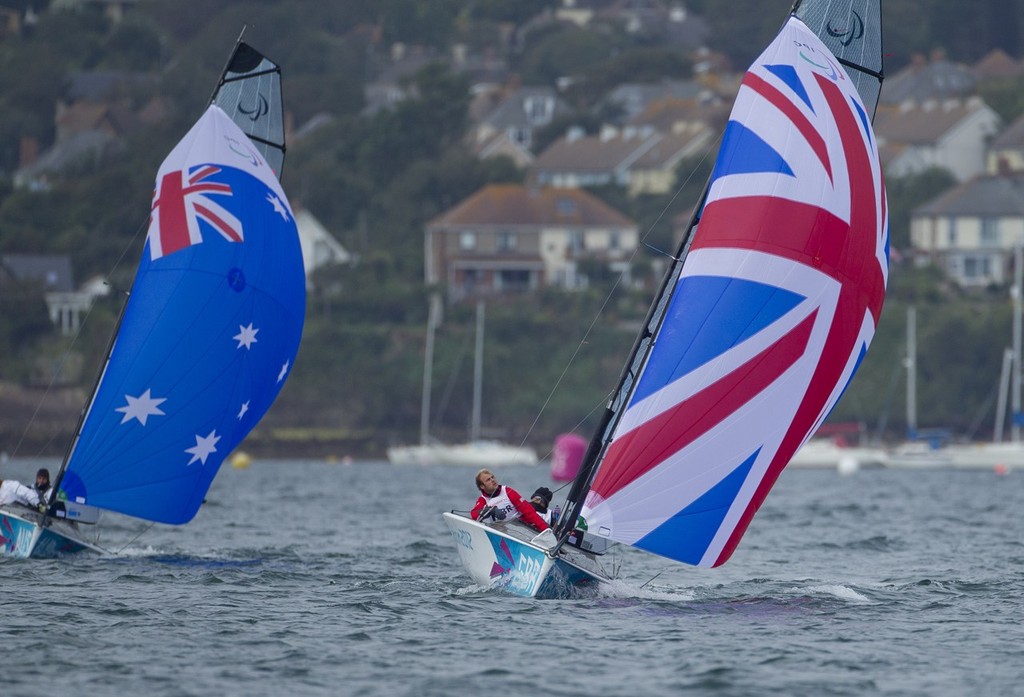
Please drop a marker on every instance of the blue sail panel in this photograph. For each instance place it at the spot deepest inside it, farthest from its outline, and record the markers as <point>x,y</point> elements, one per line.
<point>208,336</point>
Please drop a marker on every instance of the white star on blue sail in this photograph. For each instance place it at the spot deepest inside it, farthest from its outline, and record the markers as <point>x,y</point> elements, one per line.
<point>246,336</point>
<point>141,407</point>
<point>278,206</point>
<point>203,448</point>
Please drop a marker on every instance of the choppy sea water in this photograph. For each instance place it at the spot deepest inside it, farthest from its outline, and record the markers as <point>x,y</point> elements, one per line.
<point>312,578</point>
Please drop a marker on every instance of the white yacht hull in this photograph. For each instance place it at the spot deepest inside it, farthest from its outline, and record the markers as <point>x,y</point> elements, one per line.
<point>513,558</point>
<point>24,534</point>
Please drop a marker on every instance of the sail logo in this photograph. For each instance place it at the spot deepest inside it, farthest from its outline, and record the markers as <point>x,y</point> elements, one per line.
<point>463,538</point>
<point>830,69</point>
<point>847,36</point>
<point>261,108</point>
<point>182,199</point>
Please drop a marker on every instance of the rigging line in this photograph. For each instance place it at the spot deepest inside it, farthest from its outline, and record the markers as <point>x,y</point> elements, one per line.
<point>654,577</point>
<point>712,147</point>
<point>67,352</point>
<point>131,541</point>
<point>578,425</point>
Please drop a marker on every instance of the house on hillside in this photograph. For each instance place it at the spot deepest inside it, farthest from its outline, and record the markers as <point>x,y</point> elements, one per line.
<point>509,128</point>
<point>632,98</point>
<point>997,65</point>
<point>1006,151</point>
<point>98,110</point>
<point>640,159</point>
<point>508,238</point>
<point>319,247</point>
<point>971,230</point>
<point>392,82</point>
<point>936,79</point>
<point>65,304</point>
<point>952,134</point>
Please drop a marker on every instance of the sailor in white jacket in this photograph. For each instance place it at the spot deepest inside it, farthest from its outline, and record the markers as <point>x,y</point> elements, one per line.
<point>13,491</point>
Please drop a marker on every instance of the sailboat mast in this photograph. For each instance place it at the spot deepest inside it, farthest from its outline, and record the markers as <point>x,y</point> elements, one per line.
<point>911,373</point>
<point>478,373</point>
<point>55,485</point>
<point>433,313</point>
<point>1018,289</point>
<point>1004,387</point>
<point>627,380</point>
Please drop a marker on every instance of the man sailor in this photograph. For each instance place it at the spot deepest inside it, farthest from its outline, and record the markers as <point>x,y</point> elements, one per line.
<point>503,502</point>
<point>13,491</point>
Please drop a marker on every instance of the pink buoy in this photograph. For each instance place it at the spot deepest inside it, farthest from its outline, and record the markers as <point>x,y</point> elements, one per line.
<point>567,456</point>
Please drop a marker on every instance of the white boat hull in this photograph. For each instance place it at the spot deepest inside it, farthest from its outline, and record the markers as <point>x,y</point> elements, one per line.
<point>986,455</point>
<point>24,534</point>
<point>824,454</point>
<point>474,454</point>
<point>514,559</point>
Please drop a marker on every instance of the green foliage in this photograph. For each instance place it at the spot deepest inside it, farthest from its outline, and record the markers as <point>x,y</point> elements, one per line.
<point>550,359</point>
<point>567,51</point>
<point>1006,97</point>
<point>24,322</point>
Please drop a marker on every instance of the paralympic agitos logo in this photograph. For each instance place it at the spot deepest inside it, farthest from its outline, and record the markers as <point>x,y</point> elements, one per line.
<point>847,34</point>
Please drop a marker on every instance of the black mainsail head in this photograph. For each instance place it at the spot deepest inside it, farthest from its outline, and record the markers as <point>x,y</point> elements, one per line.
<point>852,31</point>
<point>249,92</point>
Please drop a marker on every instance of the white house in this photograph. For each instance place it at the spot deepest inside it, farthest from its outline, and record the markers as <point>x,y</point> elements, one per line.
<point>951,134</point>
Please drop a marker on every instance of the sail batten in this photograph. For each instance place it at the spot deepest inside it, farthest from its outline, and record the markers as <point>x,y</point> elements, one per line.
<point>769,311</point>
<point>249,92</point>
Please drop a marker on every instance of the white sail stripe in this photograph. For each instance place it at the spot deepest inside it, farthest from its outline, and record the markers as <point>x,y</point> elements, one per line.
<point>222,213</point>
<point>752,266</point>
<point>777,131</point>
<point>195,236</point>
<point>650,500</point>
<point>728,444</point>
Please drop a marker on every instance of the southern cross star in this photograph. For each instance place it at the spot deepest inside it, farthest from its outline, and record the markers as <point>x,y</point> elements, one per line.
<point>278,206</point>
<point>246,336</point>
<point>141,407</point>
<point>203,447</point>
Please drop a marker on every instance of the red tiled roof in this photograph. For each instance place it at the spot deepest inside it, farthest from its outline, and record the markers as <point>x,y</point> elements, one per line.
<point>517,205</point>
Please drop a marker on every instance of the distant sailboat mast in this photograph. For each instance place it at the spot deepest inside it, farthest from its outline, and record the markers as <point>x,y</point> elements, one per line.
<point>1017,290</point>
<point>478,374</point>
<point>911,363</point>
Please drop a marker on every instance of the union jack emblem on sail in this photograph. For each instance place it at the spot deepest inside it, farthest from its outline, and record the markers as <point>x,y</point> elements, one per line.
<point>772,313</point>
<point>183,199</point>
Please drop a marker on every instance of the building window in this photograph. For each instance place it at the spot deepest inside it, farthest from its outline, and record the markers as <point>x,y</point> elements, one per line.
<point>990,232</point>
<point>538,110</point>
<point>614,243</point>
<point>514,281</point>
<point>467,240</point>
<point>565,206</point>
<point>520,136</point>
<point>976,268</point>
<point>951,232</point>
<point>576,245</point>
<point>507,241</point>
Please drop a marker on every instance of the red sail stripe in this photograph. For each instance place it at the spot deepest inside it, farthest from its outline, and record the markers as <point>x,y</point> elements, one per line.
<point>862,291</point>
<point>786,106</point>
<point>646,446</point>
